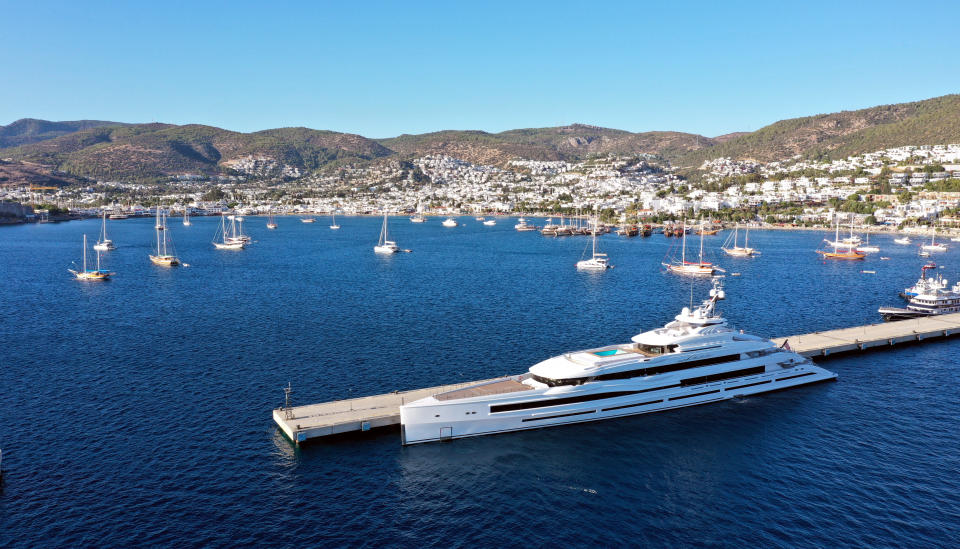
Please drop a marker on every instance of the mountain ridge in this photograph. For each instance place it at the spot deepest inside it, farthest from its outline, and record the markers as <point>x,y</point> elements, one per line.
<point>102,149</point>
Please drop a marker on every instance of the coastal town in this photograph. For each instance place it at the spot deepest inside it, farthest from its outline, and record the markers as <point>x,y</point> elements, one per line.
<point>896,187</point>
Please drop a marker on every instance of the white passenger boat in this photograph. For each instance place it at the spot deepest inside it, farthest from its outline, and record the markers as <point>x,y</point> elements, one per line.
<point>490,222</point>
<point>695,359</point>
<point>450,222</point>
<point>904,240</point>
<point>385,246</point>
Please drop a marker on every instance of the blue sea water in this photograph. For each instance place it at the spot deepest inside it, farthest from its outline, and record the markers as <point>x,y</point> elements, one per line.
<point>137,412</point>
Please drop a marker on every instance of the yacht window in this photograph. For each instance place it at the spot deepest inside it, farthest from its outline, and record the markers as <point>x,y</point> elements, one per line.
<point>653,370</point>
<point>557,401</point>
<point>550,382</point>
<point>723,375</point>
<point>655,349</point>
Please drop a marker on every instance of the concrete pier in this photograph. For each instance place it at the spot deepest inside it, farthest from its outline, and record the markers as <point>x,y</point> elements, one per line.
<point>301,423</point>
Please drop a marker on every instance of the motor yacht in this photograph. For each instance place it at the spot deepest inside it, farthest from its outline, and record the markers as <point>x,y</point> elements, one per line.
<point>905,240</point>
<point>449,222</point>
<point>933,297</point>
<point>694,359</point>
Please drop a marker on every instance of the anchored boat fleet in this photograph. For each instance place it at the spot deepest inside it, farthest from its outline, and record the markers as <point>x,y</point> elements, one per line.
<point>694,359</point>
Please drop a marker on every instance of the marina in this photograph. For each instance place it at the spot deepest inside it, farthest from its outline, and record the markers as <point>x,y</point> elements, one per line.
<point>302,423</point>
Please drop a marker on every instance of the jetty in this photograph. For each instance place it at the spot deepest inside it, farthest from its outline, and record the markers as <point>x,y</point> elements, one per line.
<point>302,423</point>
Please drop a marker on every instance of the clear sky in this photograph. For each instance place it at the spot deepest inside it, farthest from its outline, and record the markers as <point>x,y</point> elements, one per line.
<point>385,68</point>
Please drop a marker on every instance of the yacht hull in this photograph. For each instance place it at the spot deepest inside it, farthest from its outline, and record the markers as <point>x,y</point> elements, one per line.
<point>425,421</point>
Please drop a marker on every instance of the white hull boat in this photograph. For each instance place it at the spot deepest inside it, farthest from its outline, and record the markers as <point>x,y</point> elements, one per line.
<point>695,359</point>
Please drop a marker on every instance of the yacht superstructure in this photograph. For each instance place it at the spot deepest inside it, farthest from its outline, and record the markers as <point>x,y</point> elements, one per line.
<point>694,359</point>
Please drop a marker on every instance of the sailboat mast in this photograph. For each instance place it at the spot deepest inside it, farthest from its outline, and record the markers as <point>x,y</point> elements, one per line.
<point>84,253</point>
<point>683,246</point>
<point>701,241</point>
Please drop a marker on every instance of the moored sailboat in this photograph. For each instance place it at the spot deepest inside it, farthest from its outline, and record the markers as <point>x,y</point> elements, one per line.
<point>735,250</point>
<point>103,243</point>
<point>163,256</point>
<point>692,268</point>
<point>227,242</point>
<point>384,244</point>
<point>91,274</point>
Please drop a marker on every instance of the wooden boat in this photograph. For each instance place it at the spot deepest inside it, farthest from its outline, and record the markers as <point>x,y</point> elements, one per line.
<point>163,258</point>
<point>91,274</point>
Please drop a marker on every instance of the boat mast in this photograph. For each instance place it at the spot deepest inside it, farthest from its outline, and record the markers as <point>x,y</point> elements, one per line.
<point>683,244</point>
<point>157,228</point>
<point>701,241</point>
<point>84,253</point>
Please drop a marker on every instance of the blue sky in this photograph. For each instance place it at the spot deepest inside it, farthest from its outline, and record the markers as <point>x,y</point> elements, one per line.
<point>385,68</point>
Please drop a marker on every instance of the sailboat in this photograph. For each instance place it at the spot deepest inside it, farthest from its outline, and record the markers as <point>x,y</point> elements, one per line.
<point>95,274</point>
<point>693,268</point>
<point>163,257</point>
<point>867,248</point>
<point>104,244</point>
<point>271,222</point>
<point>419,217</point>
<point>334,225</point>
<point>841,249</point>
<point>186,217</point>
<point>737,251</point>
<point>385,246</point>
<point>227,242</point>
<point>599,261</point>
<point>933,246</point>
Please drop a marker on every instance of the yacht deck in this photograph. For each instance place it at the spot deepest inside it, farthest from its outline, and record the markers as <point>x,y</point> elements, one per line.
<point>494,388</point>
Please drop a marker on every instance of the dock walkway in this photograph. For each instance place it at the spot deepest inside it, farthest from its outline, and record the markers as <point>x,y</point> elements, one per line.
<point>301,423</point>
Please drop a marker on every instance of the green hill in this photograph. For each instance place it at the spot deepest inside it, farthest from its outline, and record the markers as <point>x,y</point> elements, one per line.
<point>150,150</point>
<point>837,135</point>
<point>572,142</point>
<point>31,130</point>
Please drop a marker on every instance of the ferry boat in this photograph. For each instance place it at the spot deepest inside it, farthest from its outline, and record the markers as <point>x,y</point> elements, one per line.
<point>932,297</point>
<point>91,274</point>
<point>695,359</point>
<point>523,226</point>
<point>385,246</point>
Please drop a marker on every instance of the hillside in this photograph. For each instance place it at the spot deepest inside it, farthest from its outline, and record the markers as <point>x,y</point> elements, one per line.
<point>109,150</point>
<point>837,135</point>
<point>31,130</point>
<point>150,150</point>
<point>572,142</point>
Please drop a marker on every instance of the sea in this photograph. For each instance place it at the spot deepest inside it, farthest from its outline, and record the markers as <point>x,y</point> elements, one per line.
<point>137,412</point>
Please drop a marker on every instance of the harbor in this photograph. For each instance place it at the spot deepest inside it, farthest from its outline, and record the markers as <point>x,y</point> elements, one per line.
<point>303,423</point>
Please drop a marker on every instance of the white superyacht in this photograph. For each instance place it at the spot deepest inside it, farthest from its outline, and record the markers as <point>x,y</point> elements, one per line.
<point>695,359</point>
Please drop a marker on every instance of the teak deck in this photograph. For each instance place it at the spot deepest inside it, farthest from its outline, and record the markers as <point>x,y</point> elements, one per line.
<point>301,423</point>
